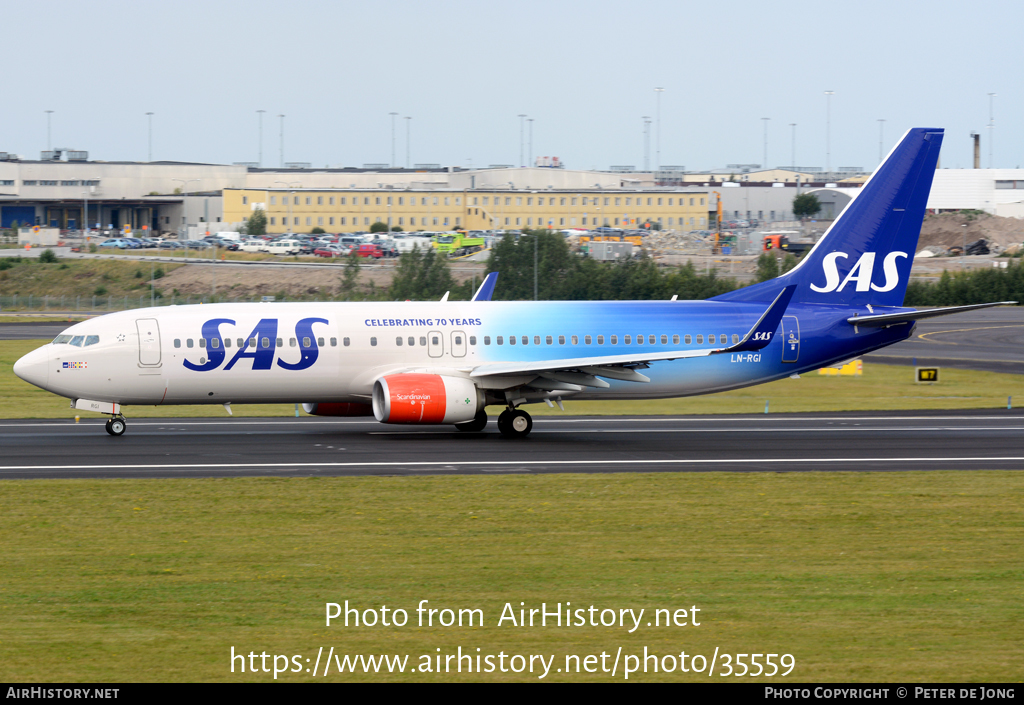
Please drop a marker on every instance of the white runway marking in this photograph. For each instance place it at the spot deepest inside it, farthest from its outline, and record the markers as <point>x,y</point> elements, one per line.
<point>510,463</point>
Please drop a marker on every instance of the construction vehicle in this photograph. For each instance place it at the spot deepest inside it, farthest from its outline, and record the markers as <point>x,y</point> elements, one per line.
<point>456,243</point>
<point>781,241</point>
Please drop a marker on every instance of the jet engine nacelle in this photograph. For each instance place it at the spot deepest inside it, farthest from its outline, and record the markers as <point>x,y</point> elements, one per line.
<point>338,409</point>
<point>424,398</point>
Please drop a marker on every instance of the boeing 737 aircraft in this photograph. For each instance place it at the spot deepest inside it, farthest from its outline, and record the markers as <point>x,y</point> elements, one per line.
<point>445,362</point>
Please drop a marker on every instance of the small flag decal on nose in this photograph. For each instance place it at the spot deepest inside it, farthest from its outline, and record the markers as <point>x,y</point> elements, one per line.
<point>75,365</point>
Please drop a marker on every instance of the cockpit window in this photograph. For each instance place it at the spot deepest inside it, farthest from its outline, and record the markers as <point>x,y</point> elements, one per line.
<point>61,339</point>
<point>91,340</point>
<point>77,341</point>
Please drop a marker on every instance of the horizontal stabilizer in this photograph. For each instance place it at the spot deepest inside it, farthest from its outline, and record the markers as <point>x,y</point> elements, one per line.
<point>486,289</point>
<point>891,319</point>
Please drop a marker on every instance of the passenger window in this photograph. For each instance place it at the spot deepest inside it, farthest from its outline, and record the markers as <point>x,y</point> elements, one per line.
<point>306,343</point>
<point>615,340</point>
<point>334,342</point>
<point>435,340</point>
<point>202,342</point>
<point>280,343</point>
<point>458,340</point>
<point>711,339</point>
<point>723,338</point>
<point>91,340</point>
<point>499,340</point>
<point>227,342</point>
<point>664,340</point>
<point>252,342</point>
<point>561,340</point>
<point>600,340</point>
<point>651,339</point>
<point>177,342</point>
<point>292,342</point>
<point>214,342</point>
<point>241,342</point>
<point>266,343</point>
<point>346,342</point>
<point>373,342</point>
<point>687,339</point>
<point>627,339</point>
<point>472,340</point>
<point>398,341</point>
<point>487,340</point>
<point>320,342</point>
<point>526,340</point>
<point>700,339</point>
<point>639,340</point>
<point>587,339</point>
<point>536,340</point>
<point>412,341</point>
<point>77,340</point>
<point>575,340</point>
<point>675,340</point>
<point>188,343</point>
<point>511,340</point>
<point>549,340</point>
<point>735,339</point>
<point>423,340</point>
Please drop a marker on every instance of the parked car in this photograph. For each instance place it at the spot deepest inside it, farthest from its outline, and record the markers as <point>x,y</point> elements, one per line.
<point>332,250</point>
<point>282,247</point>
<point>370,250</point>
<point>169,245</point>
<point>255,245</point>
<point>113,242</point>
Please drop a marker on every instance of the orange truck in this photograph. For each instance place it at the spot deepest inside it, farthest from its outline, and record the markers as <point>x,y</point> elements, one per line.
<point>781,241</point>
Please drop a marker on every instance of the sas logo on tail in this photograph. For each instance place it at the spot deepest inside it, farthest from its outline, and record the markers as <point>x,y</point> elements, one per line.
<point>862,272</point>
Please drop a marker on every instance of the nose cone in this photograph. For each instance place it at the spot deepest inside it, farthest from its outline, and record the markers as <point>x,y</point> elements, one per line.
<point>34,367</point>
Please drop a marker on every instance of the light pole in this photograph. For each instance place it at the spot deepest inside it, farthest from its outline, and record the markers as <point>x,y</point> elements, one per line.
<point>150,117</point>
<point>647,142</point>
<point>529,152</point>
<point>881,139</point>
<point>408,122</point>
<point>290,185</point>
<point>792,146</point>
<point>521,116</point>
<point>657,129</point>
<point>765,121</point>
<point>49,142</point>
<point>259,113</point>
<point>282,141</point>
<point>991,128</point>
<point>828,127</point>
<point>392,139</point>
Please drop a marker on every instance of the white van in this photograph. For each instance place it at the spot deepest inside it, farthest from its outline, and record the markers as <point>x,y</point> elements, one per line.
<point>253,246</point>
<point>282,247</point>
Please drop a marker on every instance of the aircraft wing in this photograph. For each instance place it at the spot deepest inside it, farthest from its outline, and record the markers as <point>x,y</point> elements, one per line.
<point>891,319</point>
<point>585,370</point>
<point>486,288</point>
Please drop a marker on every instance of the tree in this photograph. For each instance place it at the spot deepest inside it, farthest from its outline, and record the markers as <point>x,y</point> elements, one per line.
<point>806,205</point>
<point>257,223</point>
<point>350,276</point>
<point>767,267</point>
<point>317,231</point>
<point>424,275</point>
<point>379,227</point>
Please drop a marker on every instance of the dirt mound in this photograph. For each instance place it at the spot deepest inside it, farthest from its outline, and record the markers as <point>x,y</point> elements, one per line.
<point>947,229</point>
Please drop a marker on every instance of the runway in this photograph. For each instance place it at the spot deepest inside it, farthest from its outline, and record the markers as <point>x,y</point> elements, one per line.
<point>863,441</point>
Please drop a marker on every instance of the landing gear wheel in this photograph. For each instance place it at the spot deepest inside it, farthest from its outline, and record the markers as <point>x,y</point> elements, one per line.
<point>518,424</point>
<point>503,418</point>
<point>107,426</point>
<point>476,425</point>
<point>116,427</point>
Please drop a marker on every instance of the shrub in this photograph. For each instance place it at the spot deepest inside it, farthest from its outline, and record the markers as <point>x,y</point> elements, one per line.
<point>100,291</point>
<point>47,257</point>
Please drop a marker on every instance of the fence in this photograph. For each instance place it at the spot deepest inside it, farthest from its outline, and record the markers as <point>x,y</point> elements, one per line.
<point>102,304</point>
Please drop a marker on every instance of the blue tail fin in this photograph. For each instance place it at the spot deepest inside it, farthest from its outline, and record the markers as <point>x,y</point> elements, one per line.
<point>865,257</point>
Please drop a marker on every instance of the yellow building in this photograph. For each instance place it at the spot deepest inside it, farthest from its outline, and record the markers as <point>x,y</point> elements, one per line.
<point>352,210</point>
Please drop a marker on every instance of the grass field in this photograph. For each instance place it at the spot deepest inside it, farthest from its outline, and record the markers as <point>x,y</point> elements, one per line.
<point>860,576</point>
<point>883,387</point>
<point>73,278</point>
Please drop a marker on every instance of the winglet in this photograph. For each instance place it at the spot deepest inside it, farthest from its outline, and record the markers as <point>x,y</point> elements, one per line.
<point>486,289</point>
<point>761,334</point>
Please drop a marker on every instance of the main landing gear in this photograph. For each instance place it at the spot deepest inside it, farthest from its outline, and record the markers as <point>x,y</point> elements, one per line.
<point>515,423</point>
<point>116,425</point>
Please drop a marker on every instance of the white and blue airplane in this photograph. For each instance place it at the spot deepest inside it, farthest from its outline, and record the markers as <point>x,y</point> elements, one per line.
<point>445,362</point>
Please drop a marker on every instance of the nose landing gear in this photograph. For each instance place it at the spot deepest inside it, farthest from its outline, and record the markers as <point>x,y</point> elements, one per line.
<point>515,423</point>
<point>116,425</point>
